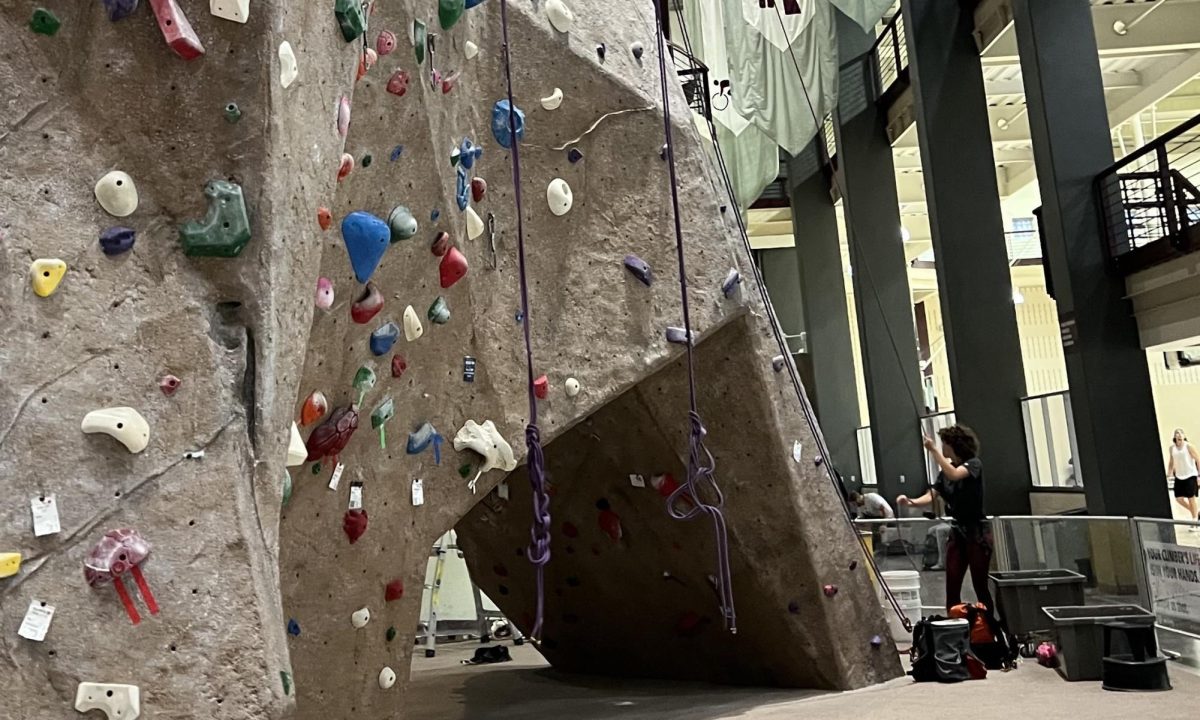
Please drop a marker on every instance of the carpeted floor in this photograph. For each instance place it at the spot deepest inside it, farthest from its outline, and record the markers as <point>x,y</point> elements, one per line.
<point>527,689</point>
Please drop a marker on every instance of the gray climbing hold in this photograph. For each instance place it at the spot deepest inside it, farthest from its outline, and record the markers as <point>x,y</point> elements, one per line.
<point>732,279</point>
<point>636,49</point>
<point>640,269</point>
<point>679,336</point>
<point>402,223</point>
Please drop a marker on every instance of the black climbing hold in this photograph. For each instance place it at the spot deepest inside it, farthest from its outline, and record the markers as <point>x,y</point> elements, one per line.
<point>601,50</point>
<point>574,155</point>
<point>366,161</point>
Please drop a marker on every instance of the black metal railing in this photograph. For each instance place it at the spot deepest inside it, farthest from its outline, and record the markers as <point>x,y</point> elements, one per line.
<point>1150,200</point>
<point>694,76</point>
<point>891,57</point>
<point>829,137</point>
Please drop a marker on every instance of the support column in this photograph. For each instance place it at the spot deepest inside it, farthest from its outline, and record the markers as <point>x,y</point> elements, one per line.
<point>1120,456</point>
<point>879,270</point>
<point>818,253</point>
<point>983,346</point>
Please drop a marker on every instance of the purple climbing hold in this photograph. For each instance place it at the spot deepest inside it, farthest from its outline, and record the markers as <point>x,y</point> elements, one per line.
<point>732,280</point>
<point>118,9</point>
<point>876,641</point>
<point>794,607</point>
<point>574,155</point>
<point>678,336</point>
<point>505,133</point>
<point>117,240</point>
<point>397,152</point>
<point>640,269</point>
<point>384,338</point>
<point>293,628</point>
<point>366,238</point>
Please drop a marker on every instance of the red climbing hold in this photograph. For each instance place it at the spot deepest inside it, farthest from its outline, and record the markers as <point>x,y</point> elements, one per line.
<point>367,305</point>
<point>610,523</point>
<point>324,218</point>
<point>448,83</point>
<point>570,530</point>
<point>345,166</point>
<point>830,590</point>
<point>541,387</point>
<point>355,524</point>
<point>399,365</point>
<point>665,484</point>
<point>331,436</point>
<point>169,384</point>
<point>176,29</point>
<point>394,590</point>
<point>453,267</point>
<point>441,244</point>
<point>478,188</point>
<point>397,84</point>
<point>500,570</point>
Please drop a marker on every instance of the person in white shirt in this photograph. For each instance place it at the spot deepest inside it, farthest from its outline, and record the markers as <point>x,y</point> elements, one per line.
<point>1182,462</point>
<point>872,506</point>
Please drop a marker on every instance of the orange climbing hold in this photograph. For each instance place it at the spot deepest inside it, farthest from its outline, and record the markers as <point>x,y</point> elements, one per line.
<point>314,408</point>
<point>324,218</point>
<point>610,523</point>
<point>541,387</point>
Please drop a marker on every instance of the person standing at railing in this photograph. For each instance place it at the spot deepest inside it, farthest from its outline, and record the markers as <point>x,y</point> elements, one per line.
<point>1182,461</point>
<point>960,484</point>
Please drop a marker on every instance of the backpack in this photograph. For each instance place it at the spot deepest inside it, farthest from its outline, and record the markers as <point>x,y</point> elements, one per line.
<point>990,640</point>
<point>941,656</point>
<point>491,654</point>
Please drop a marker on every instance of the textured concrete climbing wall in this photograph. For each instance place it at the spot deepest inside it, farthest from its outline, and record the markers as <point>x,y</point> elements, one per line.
<point>255,605</point>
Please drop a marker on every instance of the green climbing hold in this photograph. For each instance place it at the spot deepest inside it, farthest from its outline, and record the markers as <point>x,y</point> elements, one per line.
<point>465,470</point>
<point>233,113</point>
<point>449,11</point>
<point>351,17</point>
<point>287,488</point>
<point>364,380</point>
<point>391,634</point>
<point>316,468</point>
<point>366,161</point>
<point>439,311</point>
<point>386,411</point>
<point>286,679</point>
<point>225,231</point>
<point>419,33</point>
<point>44,22</point>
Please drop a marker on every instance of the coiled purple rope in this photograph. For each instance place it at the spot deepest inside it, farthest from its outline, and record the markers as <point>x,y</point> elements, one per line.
<point>700,461</point>
<point>539,548</point>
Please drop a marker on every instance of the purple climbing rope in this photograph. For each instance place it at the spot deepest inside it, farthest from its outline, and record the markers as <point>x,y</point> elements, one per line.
<point>700,461</point>
<point>539,534</point>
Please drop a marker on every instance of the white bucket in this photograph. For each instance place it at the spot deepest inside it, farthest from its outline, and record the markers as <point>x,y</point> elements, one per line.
<point>906,587</point>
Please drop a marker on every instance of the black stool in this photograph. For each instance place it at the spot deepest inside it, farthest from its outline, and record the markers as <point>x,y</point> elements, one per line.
<point>1141,669</point>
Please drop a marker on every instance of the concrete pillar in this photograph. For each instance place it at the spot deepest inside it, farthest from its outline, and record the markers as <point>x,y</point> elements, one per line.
<point>1120,453</point>
<point>826,320</point>
<point>983,346</point>
<point>879,270</point>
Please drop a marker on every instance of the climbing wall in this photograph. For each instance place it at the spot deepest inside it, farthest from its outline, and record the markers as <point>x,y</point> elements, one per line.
<point>264,234</point>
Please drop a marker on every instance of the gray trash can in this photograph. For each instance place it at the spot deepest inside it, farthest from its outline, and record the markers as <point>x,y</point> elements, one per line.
<point>1021,594</point>
<point>1080,636</point>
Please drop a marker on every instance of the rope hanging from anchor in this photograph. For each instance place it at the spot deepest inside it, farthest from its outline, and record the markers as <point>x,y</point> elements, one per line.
<point>701,465</point>
<point>539,547</point>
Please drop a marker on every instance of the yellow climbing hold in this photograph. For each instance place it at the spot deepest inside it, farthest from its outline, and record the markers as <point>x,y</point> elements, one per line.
<point>10,563</point>
<point>46,274</point>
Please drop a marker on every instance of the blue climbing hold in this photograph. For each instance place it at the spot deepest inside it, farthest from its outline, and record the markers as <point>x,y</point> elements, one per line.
<point>437,449</point>
<point>468,153</point>
<point>461,188</point>
<point>293,627</point>
<point>397,152</point>
<point>472,3</point>
<point>384,338</point>
<point>574,155</point>
<point>117,240</point>
<point>732,279</point>
<point>367,239</point>
<point>434,215</point>
<point>420,439</point>
<point>501,129</point>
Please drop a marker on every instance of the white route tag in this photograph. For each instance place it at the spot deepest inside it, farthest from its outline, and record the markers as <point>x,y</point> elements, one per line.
<point>356,493</point>
<point>337,476</point>
<point>502,490</point>
<point>45,515</point>
<point>637,481</point>
<point>418,492</point>
<point>37,620</point>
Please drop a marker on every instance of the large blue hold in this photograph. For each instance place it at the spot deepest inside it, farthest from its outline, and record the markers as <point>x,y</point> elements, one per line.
<point>367,239</point>
<point>472,3</point>
<point>384,338</point>
<point>461,192</point>
<point>118,9</point>
<point>500,125</point>
<point>468,152</point>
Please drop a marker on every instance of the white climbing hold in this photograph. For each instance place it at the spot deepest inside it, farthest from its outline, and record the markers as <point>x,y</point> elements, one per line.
<point>117,702</point>
<point>387,678</point>
<point>486,440</point>
<point>474,224</point>
<point>288,70</point>
<point>117,194</point>
<point>470,50</point>
<point>559,197</point>
<point>412,324</point>
<point>552,101</point>
<point>560,15</point>
<point>193,455</point>
<point>360,618</point>
<point>572,386</point>
<point>235,10</point>
<point>297,453</point>
<point>124,424</point>
<point>797,451</point>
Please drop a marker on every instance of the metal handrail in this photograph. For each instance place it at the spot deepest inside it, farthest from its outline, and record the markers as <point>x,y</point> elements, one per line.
<point>890,53</point>
<point>694,77</point>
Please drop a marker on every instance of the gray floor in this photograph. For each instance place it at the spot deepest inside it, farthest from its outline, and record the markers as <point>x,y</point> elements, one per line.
<point>526,689</point>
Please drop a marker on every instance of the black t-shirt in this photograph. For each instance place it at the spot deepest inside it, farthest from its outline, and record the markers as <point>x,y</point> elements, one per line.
<point>964,498</point>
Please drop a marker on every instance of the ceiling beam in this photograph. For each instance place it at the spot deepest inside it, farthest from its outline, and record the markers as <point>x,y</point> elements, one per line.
<point>1112,81</point>
<point>1166,76</point>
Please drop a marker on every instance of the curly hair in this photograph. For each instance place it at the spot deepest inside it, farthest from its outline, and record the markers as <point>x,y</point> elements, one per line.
<point>962,440</point>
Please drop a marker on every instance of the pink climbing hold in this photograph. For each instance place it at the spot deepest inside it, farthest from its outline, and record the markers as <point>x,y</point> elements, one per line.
<point>119,552</point>
<point>365,62</point>
<point>541,387</point>
<point>385,43</point>
<point>176,29</point>
<point>830,590</point>
<point>394,590</point>
<point>610,523</point>
<point>345,166</point>
<point>343,116</point>
<point>169,384</point>
<point>397,84</point>
<point>453,267</point>
<point>324,298</point>
<point>354,523</point>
